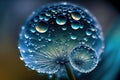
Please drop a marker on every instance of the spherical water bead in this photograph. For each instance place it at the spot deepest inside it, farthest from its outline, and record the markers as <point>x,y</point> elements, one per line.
<point>81,27</point>
<point>85,38</point>
<point>64,28</point>
<point>76,15</point>
<point>94,36</point>
<point>26,36</point>
<point>35,20</point>
<point>75,25</point>
<point>83,58</point>
<point>32,30</point>
<point>49,39</point>
<point>61,19</point>
<point>42,26</point>
<point>73,37</point>
<point>46,18</point>
<point>50,76</point>
<point>48,13</point>
<point>83,14</point>
<point>88,32</point>
<point>41,16</point>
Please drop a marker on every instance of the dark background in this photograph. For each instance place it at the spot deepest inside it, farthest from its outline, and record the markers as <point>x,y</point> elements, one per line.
<point>13,14</point>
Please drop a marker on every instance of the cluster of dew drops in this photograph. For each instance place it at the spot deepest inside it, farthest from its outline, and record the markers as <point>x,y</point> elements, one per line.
<point>43,30</point>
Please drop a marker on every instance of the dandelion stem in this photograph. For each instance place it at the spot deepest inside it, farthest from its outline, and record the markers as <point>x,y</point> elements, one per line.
<point>54,77</point>
<point>69,72</point>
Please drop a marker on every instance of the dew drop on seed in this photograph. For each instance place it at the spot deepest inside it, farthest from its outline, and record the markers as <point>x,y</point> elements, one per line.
<point>61,19</point>
<point>73,37</point>
<point>42,27</point>
<point>76,15</point>
<point>88,32</point>
<point>75,25</point>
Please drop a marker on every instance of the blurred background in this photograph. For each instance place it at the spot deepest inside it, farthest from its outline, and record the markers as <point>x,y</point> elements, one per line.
<point>13,14</point>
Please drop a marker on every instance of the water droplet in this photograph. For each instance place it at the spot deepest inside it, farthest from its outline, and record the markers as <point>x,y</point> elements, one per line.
<point>48,13</point>
<point>93,29</point>
<point>41,16</point>
<point>43,46</point>
<point>83,14</point>
<point>81,26</point>
<point>42,27</point>
<point>88,21</point>
<point>46,18</point>
<point>25,42</point>
<point>32,68</point>
<point>23,51</point>
<point>32,30</point>
<point>53,10</point>
<point>29,50</point>
<point>21,58</point>
<point>35,20</point>
<point>76,15</point>
<point>18,47</point>
<point>70,11</point>
<point>26,36</point>
<point>64,28</point>
<point>85,38</point>
<point>23,27</point>
<point>94,36</point>
<point>88,32</point>
<point>39,39</point>
<point>50,76</point>
<point>73,37</point>
<point>75,25</point>
<point>49,39</point>
<point>61,19</point>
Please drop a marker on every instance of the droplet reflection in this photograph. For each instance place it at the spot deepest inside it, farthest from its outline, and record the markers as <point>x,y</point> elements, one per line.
<point>75,25</point>
<point>61,19</point>
<point>76,15</point>
<point>42,27</point>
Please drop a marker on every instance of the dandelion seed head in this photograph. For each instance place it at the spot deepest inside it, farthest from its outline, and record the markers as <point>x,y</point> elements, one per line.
<point>49,35</point>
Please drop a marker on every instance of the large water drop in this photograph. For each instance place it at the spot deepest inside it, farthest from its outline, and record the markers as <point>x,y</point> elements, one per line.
<point>61,19</point>
<point>76,15</point>
<point>75,25</point>
<point>42,27</point>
